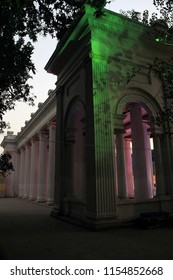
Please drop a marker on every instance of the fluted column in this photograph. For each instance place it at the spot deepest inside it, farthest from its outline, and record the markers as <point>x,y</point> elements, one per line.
<point>129,169</point>
<point>167,151</point>
<point>115,167</point>
<point>13,178</point>
<point>121,174</point>
<point>17,173</point>
<point>51,164</point>
<point>149,161</point>
<point>42,167</point>
<point>22,170</point>
<point>9,180</point>
<point>158,165</point>
<point>34,169</point>
<point>27,171</point>
<point>101,197</point>
<point>142,174</point>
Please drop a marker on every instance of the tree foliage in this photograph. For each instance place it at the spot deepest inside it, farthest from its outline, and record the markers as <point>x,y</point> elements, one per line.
<point>164,68</point>
<point>165,8</point>
<point>162,26</point>
<point>21,21</point>
<point>6,165</point>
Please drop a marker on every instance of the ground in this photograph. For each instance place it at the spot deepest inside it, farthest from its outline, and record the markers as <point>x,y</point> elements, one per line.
<point>28,232</point>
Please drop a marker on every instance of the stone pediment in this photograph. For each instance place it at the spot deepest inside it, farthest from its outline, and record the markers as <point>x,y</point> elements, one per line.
<point>112,35</point>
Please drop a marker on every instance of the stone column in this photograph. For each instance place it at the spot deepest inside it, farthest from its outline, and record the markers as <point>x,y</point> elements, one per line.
<point>21,175</point>
<point>167,152</point>
<point>13,178</point>
<point>149,161</point>
<point>121,174</point>
<point>9,180</point>
<point>59,156</point>
<point>115,168</point>
<point>101,202</point>
<point>142,174</point>
<point>27,171</point>
<point>42,167</point>
<point>129,168</point>
<point>17,172</point>
<point>34,169</point>
<point>158,165</point>
<point>51,164</point>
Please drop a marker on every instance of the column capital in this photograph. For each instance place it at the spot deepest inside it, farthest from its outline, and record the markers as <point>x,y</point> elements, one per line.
<point>118,121</point>
<point>119,130</point>
<point>127,139</point>
<point>157,131</point>
<point>60,90</point>
<point>70,135</point>
<point>51,124</point>
<point>34,139</point>
<point>98,57</point>
<point>42,132</point>
<point>28,144</point>
<point>23,148</point>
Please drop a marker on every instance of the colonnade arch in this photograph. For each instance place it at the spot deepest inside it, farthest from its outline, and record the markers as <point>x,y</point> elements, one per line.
<point>75,150</point>
<point>138,152</point>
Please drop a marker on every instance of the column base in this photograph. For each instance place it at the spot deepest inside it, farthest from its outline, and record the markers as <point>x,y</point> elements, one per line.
<point>96,223</point>
<point>50,202</point>
<point>32,198</point>
<point>41,200</point>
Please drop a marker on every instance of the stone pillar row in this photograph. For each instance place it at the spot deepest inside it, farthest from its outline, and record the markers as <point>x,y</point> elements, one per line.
<point>37,167</point>
<point>136,180</point>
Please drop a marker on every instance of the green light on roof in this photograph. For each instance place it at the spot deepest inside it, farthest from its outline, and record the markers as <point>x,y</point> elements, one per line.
<point>157,40</point>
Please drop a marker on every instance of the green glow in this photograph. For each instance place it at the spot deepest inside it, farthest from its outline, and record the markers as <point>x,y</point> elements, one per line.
<point>157,40</point>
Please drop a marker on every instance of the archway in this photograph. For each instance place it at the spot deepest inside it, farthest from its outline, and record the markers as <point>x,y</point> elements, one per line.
<point>136,149</point>
<point>75,151</point>
<point>139,152</point>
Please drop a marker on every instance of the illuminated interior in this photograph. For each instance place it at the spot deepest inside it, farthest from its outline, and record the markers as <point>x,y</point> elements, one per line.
<point>137,157</point>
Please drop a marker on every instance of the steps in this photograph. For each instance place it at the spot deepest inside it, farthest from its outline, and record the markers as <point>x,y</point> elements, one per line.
<point>149,220</point>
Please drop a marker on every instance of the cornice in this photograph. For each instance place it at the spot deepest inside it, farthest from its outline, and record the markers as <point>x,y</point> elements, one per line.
<point>45,113</point>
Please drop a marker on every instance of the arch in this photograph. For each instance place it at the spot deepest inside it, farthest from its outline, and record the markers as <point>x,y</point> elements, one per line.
<point>133,113</point>
<point>75,149</point>
<point>137,95</point>
<point>73,102</point>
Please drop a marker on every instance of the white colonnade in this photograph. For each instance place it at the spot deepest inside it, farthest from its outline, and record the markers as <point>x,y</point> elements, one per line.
<point>134,157</point>
<point>36,175</point>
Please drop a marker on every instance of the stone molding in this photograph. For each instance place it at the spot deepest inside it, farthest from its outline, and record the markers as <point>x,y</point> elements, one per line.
<point>39,120</point>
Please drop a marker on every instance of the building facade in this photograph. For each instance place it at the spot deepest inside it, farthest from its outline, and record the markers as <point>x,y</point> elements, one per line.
<point>109,161</point>
<point>33,155</point>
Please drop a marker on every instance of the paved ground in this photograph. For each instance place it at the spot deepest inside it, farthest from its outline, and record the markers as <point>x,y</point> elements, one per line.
<point>28,232</point>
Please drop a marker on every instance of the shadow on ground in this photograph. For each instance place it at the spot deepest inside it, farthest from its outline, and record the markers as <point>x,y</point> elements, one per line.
<point>28,232</point>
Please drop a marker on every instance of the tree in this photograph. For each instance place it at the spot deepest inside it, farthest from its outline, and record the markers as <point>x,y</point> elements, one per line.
<point>21,21</point>
<point>6,165</point>
<point>163,30</point>
<point>164,68</point>
<point>166,5</point>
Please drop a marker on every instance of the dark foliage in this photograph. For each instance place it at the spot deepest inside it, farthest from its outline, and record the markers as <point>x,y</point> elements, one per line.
<point>6,165</point>
<point>21,21</point>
